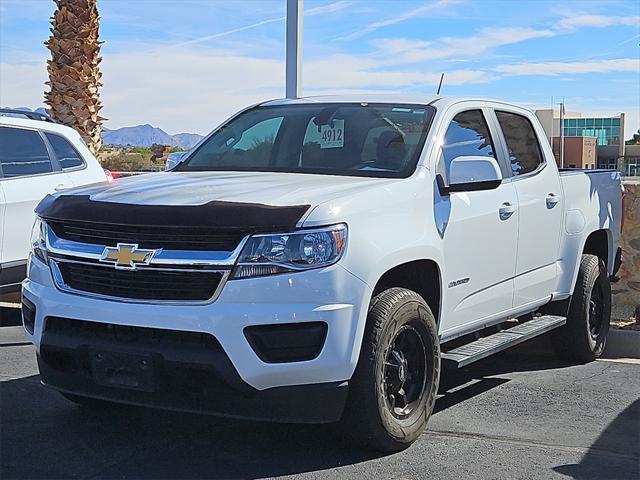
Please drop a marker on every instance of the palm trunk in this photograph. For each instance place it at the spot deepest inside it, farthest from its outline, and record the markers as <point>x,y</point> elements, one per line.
<point>74,69</point>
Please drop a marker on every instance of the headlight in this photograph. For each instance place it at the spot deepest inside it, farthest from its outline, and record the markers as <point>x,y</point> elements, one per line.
<point>268,254</point>
<point>39,239</point>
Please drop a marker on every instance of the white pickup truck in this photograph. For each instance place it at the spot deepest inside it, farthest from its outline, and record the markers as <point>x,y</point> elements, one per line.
<point>318,259</point>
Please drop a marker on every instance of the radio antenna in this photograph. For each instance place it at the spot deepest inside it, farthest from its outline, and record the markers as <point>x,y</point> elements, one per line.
<point>440,84</point>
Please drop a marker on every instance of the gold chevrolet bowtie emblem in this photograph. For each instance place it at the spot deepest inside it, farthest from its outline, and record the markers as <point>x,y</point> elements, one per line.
<point>127,256</point>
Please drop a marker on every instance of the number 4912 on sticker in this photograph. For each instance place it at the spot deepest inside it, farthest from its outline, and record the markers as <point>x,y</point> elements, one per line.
<point>332,135</point>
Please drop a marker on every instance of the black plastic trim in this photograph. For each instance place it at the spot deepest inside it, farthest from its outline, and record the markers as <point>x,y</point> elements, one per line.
<point>191,374</point>
<point>287,342</point>
<point>28,315</point>
<point>212,214</point>
<point>474,187</point>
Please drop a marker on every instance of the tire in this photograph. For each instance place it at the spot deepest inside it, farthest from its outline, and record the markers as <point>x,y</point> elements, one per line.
<point>389,405</point>
<point>584,336</point>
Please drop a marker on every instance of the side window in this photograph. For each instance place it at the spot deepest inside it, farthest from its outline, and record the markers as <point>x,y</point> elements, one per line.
<point>22,152</point>
<point>524,149</point>
<point>467,135</point>
<point>66,154</point>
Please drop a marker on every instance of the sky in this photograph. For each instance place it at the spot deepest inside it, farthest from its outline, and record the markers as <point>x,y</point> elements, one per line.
<point>186,65</point>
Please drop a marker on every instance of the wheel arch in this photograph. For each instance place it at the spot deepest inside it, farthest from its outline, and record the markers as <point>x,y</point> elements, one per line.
<point>598,243</point>
<point>422,276</point>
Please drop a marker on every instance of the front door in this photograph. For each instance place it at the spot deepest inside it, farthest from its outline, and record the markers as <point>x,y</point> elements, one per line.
<point>479,234</point>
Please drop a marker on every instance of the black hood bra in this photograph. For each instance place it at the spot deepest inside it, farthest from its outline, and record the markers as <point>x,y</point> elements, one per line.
<point>252,216</point>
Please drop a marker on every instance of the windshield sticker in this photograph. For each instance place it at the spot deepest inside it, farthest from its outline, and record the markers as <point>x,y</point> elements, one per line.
<point>332,135</point>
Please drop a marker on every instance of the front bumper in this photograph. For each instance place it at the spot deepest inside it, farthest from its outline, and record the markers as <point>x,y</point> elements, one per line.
<point>173,370</point>
<point>331,295</point>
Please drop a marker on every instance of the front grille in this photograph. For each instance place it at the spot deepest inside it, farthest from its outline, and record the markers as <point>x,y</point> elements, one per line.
<point>154,237</point>
<point>141,284</point>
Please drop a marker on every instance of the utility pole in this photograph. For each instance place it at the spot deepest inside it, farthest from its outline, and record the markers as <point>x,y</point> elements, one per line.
<point>621,147</point>
<point>293,68</point>
<point>562,134</point>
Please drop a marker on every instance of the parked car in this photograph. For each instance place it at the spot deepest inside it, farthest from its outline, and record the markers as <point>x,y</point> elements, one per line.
<point>37,157</point>
<point>318,260</point>
<point>174,159</point>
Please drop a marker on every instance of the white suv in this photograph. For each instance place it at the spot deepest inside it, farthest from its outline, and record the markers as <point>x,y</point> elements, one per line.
<point>37,157</point>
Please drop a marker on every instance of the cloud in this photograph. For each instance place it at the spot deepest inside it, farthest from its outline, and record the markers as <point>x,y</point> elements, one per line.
<point>401,17</point>
<point>324,9</point>
<point>596,21</point>
<point>193,89</point>
<point>562,68</point>
<point>403,51</point>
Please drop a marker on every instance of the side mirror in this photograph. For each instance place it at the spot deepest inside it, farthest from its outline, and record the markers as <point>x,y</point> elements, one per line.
<point>174,159</point>
<point>467,174</point>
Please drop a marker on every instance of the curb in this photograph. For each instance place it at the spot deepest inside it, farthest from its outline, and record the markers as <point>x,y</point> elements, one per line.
<point>622,344</point>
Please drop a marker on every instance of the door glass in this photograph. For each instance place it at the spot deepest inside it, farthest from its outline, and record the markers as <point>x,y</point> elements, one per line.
<point>22,152</point>
<point>524,150</point>
<point>467,135</point>
<point>65,153</point>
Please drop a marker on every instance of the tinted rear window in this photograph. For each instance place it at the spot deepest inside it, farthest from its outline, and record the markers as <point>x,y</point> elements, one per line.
<point>524,150</point>
<point>65,153</point>
<point>22,153</point>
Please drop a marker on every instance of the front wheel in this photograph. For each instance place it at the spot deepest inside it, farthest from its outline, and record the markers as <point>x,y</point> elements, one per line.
<point>393,390</point>
<point>584,336</point>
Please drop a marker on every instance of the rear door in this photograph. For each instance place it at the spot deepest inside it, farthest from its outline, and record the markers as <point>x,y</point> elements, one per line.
<point>537,185</point>
<point>29,174</point>
<point>479,241</point>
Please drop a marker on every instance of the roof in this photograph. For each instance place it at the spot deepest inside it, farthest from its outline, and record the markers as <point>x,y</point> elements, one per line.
<point>441,101</point>
<point>39,124</point>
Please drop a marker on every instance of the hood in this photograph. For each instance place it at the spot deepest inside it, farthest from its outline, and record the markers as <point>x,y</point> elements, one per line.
<point>198,188</point>
<point>223,199</point>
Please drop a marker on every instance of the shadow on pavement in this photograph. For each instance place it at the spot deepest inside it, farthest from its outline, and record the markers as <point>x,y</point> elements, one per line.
<point>130,442</point>
<point>614,438</point>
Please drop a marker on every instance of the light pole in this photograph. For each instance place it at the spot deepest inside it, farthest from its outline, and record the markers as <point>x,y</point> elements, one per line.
<point>293,60</point>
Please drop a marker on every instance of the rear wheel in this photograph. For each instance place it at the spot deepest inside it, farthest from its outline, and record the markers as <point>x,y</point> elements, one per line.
<point>393,390</point>
<point>584,336</point>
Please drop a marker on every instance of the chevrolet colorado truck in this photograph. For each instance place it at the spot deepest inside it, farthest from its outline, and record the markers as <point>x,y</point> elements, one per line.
<point>319,259</point>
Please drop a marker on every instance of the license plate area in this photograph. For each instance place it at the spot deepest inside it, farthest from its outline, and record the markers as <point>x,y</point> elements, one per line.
<point>133,371</point>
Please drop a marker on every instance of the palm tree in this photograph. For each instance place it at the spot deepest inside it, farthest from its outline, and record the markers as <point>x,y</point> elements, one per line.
<point>74,69</point>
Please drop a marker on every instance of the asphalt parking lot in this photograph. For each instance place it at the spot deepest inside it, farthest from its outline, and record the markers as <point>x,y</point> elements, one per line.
<point>516,415</point>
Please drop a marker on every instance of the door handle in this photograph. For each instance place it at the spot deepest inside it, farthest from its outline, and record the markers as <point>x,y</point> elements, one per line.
<point>552,200</point>
<point>506,210</point>
<point>60,187</point>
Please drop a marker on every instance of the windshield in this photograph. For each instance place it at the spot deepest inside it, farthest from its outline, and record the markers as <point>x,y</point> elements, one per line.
<point>378,140</point>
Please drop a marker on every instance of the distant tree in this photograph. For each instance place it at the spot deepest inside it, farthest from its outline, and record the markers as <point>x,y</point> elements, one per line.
<point>635,140</point>
<point>157,151</point>
<point>124,162</point>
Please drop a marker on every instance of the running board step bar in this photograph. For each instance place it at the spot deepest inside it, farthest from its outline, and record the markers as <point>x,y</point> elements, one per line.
<point>478,349</point>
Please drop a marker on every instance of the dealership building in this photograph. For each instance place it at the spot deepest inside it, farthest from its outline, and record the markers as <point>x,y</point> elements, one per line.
<point>590,142</point>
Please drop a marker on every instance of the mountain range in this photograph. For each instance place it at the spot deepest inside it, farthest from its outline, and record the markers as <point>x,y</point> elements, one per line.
<point>141,135</point>
<point>146,135</point>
